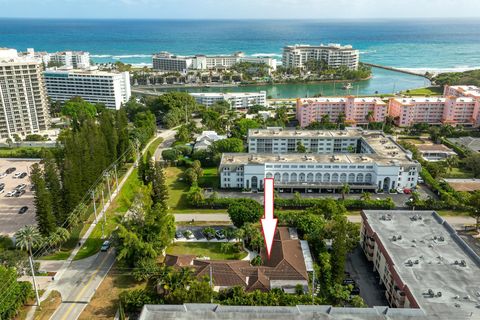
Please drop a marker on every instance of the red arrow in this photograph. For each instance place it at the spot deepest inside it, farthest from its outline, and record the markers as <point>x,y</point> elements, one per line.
<point>269,223</point>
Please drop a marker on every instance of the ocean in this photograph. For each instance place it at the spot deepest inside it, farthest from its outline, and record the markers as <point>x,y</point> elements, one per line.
<point>436,45</point>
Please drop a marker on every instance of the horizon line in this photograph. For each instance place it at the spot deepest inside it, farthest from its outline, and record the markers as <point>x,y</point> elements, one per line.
<point>246,19</point>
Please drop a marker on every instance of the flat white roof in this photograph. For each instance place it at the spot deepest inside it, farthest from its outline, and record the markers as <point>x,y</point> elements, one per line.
<point>428,254</point>
<point>342,99</point>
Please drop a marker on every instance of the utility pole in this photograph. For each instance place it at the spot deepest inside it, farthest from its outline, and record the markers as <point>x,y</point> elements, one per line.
<point>116,176</point>
<point>104,215</point>
<point>107,175</point>
<point>30,258</point>
<point>313,287</point>
<point>211,281</point>
<point>94,206</point>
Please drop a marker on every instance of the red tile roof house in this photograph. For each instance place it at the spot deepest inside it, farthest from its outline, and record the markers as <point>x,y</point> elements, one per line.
<point>285,269</point>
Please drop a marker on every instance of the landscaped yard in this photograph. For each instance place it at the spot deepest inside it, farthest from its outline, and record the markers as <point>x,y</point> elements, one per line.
<point>204,249</point>
<point>429,91</point>
<point>459,173</point>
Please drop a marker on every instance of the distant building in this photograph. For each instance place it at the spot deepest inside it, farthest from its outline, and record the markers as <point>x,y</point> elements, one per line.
<point>237,100</point>
<point>462,91</point>
<point>366,160</point>
<point>74,59</point>
<point>206,139</point>
<point>422,262</point>
<point>23,101</point>
<point>435,110</point>
<point>285,269</point>
<point>435,152</point>
<point>108,88</point>
<point>355,110</point>
<point>334,55</point>
<point>165,61</point>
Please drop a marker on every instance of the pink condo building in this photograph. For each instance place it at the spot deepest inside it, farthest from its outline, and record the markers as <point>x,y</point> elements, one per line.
<point>453,110</point>
<point>355,110</point>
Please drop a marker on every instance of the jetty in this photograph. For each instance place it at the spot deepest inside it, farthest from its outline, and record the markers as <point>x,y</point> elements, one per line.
<point>397,70</point>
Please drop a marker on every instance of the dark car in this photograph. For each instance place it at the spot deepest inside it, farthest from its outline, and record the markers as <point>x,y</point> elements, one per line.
<point>22,175</point>
<point>355,291</point>
<point>19,193</point>
<point>10,170</point>
<point>23,210</point>
<point>105,246</point>
<point>2,185</point>
<point>20,187</point>
<point>348,281</point>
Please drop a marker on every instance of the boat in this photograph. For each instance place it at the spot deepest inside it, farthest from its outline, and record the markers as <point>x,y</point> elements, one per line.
<point>347,86</point>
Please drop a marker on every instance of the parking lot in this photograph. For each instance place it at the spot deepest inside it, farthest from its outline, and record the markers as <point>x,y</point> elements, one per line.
<point>10,219</point>
<point>197,234</point>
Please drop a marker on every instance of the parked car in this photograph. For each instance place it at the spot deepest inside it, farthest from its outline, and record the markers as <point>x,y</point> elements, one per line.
<point>407,191</point>
<point>188,234</point>
<point>11,193</point>
<point>209,233</point>
<point>105,246</point>
<point>23,210</point>
<point>10,170</point>
<point>2,185</point>
<point>355,291</point>
<point>219,235</point>
<point>22,175</point>
<point>348,281</point>
<point>16,175</point>
<point>3,175</point>
<point>420,180</point>
<point>179,235</point>
<point>400,190</point>
<point>2,190</point>
<point>20,187</point>
<point>32,187</point>
<point>19,193</point>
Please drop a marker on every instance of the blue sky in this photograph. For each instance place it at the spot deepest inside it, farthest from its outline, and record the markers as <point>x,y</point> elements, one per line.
<point>240,9</point>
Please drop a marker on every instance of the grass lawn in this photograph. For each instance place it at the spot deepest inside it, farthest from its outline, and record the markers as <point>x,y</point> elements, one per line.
<point>459,173</point>
<point>210,178</point>
<point>428,91</point>
<point>153,147</point>
<point>114,215</point>
<point>206,249</point>
<point>413,141</point>
<point>27,152</point>
<point>48,306</point>
<point>104,303</point>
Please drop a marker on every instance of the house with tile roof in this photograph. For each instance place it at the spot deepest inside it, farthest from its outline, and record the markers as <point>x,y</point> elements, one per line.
<point>286,268</point>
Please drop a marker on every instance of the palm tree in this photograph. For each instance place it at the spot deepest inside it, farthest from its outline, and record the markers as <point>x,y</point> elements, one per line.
<point>366,196</point>
<point>451,162</point>
<point>26,238</point>
<point>340,120</point>
<point>58,237</point>
<point>369,117</point>
<point>345,190</point>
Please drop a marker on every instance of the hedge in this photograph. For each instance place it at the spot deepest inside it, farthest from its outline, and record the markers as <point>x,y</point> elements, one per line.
<point>463,153</point>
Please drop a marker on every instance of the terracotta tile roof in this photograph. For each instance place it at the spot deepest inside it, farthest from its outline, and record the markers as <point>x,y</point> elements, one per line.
<point>286,263</point>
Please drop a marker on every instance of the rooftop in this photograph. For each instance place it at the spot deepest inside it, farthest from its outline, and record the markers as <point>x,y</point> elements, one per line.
<point>427,254</point>
<point>321,46</point>
<point>470,143</point>
<point>318,312</point>
<point>88,71</point>
<point>407,101</point>
<point>342,100</point>
<point>471,91</point>
<point>227,94</point>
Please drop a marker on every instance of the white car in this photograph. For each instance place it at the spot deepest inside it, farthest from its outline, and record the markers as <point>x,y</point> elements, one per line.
<point>11,193</point>
<point>16,175</point>
<point>3,175</point>
<point>400,190</point>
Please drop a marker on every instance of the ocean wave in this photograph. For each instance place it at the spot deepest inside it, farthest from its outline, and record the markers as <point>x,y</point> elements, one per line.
<point>368,51</point>
<point>100,56</point>
<point>266,55</point>
<point>141,65</point>
<point>118,57</point>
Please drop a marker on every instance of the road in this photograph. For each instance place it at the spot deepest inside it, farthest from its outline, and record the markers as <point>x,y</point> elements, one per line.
<point>455,221</point>
<point>78,280</point>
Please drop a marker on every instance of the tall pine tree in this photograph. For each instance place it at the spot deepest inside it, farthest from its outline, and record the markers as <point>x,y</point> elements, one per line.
<point>52,182</point>
<point>159,187</point>
<point>43,202</point>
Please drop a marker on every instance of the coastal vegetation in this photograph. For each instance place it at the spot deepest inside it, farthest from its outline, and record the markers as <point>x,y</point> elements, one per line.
<point>471,77</point>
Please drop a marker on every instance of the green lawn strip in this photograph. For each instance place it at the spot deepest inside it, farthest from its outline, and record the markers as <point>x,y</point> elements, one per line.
<point>459,173</point>
<point>153,146</point>
<point>207,249</point>
<point>114,215</point>
<point>20,152</point>
<point>210,178</point>
<point>451,213</point>
<point>428,91</point>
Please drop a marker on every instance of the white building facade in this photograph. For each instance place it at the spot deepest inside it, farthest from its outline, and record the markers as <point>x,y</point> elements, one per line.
<point>366,160</point>
<point>73,59</point>
<point>23,101</point>
<point>108,88</point>
<point>237,100</point>
<point>334,55</point>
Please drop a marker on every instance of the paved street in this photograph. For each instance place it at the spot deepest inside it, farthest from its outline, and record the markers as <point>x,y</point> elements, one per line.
<point>456,221</point>
<point>78,280</point>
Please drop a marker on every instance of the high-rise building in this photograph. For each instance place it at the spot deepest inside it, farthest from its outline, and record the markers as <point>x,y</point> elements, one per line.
<point>334,55</point>
<point>23,101</point>
<point>74,59</point>
<point>108,88</point>
<point>237,100</point>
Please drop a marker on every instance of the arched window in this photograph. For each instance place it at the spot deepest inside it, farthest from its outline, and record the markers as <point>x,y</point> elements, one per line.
<point>310,177</point>
<point>293,177</point>
<point>343,177</point>
<point>351,177</point>
<point>360,177</point>
<point>318,177</point>
<point>276,177</point>
<point>326,177</point>
<point>285,177</point>
<point>335,177</point>
<point>269,175</point>
<point>301,177</point>
<point>368,178</point>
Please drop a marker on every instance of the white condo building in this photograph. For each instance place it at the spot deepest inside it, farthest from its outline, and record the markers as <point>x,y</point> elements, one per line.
<point>165,61</point>
<point>23,101</point>
<point>108,88</point>
<point>74,59</point>
<point>237,100</point>
<point>334,55</point>
<point>366,160</point>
